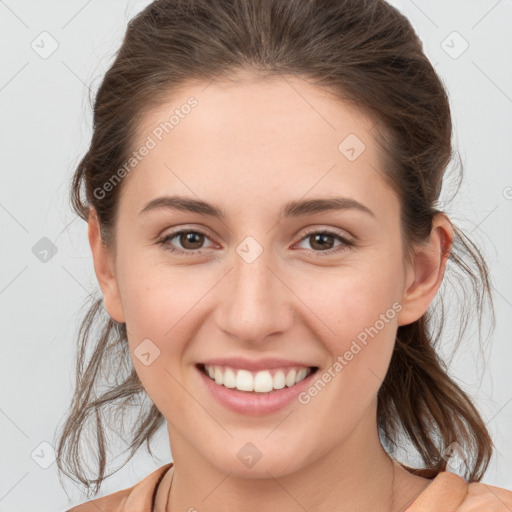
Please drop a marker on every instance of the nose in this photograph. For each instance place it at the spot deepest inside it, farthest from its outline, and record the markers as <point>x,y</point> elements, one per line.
<point>255,303</point>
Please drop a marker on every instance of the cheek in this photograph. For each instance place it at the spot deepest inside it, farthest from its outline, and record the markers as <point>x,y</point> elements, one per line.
<point>360,313</point>
<point>356,299</point>
<point>156,296</point>
<point>161,305</point>
<point>156,302</point>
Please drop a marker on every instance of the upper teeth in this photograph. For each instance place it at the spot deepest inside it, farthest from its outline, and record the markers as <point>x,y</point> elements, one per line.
<point>261,382</point>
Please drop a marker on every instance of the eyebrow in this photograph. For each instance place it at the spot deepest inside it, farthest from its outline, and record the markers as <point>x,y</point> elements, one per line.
<point>291,209</point>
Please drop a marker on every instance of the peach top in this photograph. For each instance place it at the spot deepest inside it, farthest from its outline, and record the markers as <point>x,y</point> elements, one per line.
<point>446,492</point>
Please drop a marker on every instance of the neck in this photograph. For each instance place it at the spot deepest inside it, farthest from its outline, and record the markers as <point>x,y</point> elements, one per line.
<point>356,475</point>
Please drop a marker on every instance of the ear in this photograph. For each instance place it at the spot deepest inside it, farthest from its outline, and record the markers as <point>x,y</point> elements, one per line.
<point>104,269</point>
<point>425,274</point>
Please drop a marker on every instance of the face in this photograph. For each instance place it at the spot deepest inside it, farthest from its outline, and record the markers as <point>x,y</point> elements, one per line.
<point>269,287</point>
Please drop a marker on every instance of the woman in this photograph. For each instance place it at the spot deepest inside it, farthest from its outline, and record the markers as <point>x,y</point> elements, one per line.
<point>261,192</point>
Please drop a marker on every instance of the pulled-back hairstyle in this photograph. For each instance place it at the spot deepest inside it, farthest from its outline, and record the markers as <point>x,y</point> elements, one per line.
<point>367,53</point>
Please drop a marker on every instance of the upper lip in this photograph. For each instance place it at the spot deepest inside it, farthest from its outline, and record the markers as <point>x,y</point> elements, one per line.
<point>254,365</point>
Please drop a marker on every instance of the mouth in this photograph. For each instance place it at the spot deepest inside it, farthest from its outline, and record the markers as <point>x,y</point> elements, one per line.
<point>256,382</point>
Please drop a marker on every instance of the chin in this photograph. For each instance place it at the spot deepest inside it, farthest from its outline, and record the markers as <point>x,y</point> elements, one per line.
<point>249,461</point>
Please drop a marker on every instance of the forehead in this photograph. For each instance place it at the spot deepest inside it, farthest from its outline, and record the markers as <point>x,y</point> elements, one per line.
<point>287,106</point>
<point>259,136</point>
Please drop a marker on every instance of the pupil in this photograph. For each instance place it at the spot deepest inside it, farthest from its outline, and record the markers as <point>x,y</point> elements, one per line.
<point>321,237</point>
<point>189,238</point>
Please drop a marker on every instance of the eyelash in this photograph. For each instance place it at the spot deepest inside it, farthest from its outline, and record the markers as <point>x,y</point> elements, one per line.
<point>346,244</point>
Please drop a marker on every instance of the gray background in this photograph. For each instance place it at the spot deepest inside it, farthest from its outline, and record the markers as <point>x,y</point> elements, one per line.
<point>46,127</point>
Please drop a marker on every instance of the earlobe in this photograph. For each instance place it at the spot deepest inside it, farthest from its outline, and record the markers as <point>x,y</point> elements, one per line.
<point>104,269</point>
<point>426,273</point>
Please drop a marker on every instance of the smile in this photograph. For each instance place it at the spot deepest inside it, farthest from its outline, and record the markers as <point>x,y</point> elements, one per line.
<point>263,381</point>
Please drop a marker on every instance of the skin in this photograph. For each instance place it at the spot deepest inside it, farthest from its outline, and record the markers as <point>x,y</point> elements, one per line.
<point>250,146</point>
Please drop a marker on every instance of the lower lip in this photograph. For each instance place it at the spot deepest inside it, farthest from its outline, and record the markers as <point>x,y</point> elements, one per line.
<point>251,403</point>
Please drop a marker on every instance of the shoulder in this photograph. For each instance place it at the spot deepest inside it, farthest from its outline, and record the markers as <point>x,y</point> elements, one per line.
<point>138,498</point>
<point>113,502</point>
<point>448,491</point>
<point>486,498</point>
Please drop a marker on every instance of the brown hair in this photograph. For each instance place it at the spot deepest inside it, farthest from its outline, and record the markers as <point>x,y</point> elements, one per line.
<point>367,53</point>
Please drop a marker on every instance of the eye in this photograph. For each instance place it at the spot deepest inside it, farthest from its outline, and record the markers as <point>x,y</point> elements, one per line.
<point>191,241</point>
<point>323,241</point>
